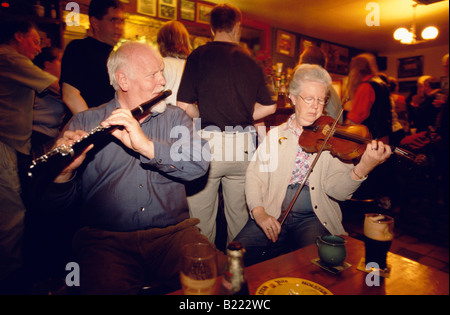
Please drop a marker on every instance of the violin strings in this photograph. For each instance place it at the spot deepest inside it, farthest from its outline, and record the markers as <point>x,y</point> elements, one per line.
<point>348,136</point>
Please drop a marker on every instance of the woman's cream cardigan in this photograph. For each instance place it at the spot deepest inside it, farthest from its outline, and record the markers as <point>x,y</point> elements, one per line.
<point>270,171</point>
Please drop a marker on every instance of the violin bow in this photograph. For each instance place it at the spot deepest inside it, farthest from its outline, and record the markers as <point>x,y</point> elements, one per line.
<point>297,193</point>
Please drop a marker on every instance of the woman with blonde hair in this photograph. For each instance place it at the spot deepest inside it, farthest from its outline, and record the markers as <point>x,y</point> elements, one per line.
<point>175,47</point>
<point>369,95</point>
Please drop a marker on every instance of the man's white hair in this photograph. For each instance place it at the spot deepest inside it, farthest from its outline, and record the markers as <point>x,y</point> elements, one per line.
<point>120,58</point>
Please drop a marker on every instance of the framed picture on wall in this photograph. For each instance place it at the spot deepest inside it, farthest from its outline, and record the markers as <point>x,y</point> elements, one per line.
<point>203,11</point>
<point>147,7</point>
<point>407,87</point>
<point>305,43</point>
<point>338,58</point>
<point>167,9</point>
<point>187,10</point>
<point>410,67</point>
<point>285,43</point>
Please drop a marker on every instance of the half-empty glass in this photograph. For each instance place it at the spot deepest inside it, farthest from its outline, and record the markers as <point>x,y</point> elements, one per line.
<point>199,269</point>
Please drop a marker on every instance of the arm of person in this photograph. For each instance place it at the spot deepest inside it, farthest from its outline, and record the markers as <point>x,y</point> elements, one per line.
<point>190,109</point>
<point>180,155</point>
<point>71,96</point>
<point>376,153</point>
<point>262,111</point>
<point>54,87</point>
<point>131,135</point>
<point>340,180</point>
<point>257,179</point>
<point>68,138</point>
<point>268,223</point>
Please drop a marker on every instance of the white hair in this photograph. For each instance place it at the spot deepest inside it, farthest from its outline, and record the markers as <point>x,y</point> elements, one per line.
<point>120,58</point>
<point>308,72</point>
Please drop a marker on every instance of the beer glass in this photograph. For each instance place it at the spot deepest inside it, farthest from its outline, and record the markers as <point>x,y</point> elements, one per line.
<point>378,235</point>
<point>198,269</point>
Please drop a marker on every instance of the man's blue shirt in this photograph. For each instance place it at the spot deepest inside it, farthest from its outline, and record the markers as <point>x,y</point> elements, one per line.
<point>120,190</point>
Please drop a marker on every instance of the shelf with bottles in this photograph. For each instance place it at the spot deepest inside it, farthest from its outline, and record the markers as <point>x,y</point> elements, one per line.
<point>40,11</point>
<point>44,13</point>
<point>280,81</point>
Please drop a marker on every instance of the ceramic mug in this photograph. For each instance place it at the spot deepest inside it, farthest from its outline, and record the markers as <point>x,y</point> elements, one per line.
<point>331,249</point>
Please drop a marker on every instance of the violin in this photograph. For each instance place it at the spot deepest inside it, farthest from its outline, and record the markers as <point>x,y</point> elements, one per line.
<point>347,142</point>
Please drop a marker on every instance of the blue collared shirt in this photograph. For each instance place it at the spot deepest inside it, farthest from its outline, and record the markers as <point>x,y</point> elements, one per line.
<point>123,191</point>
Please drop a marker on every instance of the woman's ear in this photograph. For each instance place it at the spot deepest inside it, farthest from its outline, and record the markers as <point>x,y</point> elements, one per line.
<point>292,98</point>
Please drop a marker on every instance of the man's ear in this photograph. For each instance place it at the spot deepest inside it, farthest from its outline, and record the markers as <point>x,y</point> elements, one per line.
<point>94,23</point>
<point>122,80</point>
<point>19,36</point>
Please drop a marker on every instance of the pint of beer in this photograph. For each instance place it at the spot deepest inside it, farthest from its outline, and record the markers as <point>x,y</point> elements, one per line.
<point>378,235</point>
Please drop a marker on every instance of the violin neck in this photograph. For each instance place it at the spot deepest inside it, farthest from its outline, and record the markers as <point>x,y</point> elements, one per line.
<point>407,154</point>
<point>362,140</point>
<point>351,137</point>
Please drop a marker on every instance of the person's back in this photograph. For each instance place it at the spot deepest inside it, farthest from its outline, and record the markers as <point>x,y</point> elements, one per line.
<point>174,46</point>
<point>227,81</point>
<point>371,104</point>
<point>224,86</point>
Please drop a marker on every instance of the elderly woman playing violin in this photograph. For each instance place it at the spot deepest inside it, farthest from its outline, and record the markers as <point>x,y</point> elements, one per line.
<point>279,167</point>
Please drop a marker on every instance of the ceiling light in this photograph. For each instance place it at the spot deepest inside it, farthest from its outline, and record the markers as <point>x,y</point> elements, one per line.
<point>430,32</point>
<point>400,33</point>
<point>410,38</point>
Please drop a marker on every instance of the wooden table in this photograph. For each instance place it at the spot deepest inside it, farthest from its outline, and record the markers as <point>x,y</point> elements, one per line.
<point>407,277</point>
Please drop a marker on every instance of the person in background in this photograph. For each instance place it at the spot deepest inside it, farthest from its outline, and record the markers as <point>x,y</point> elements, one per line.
<point>84,77</point>
<point>425,106</point>
<point>371,106</point>
<point>443,130</point>
<point>315,56</point>
<point>270,188</point>
<point>224,86</point>
<point>175,47</point>
<point>397,132</point>
<point>399,104</point>
<point>130,190</point>
<point>369,94</point>
<point>20,79</point>
<point>48,109</point>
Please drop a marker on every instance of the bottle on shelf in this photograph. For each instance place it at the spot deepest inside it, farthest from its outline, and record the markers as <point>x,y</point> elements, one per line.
<point>39,10</point>
<point>53,12</point>
<point>233,280</point>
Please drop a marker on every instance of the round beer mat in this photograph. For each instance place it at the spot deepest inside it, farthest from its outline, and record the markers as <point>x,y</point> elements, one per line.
<point>291,286</point>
